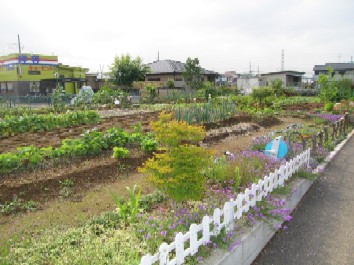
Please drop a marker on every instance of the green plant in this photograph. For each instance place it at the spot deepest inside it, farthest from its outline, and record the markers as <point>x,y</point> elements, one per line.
<point>192,73</point>
<point>120,152</point>
<point>306,175</point>
<point>128,210</point>
<point>66,187</point>
<point>57,99</point>
<point>328,86</point>
<point>17,205</point>
<point>329,106</point>
<point>125,70</point>
<point>149,143</point>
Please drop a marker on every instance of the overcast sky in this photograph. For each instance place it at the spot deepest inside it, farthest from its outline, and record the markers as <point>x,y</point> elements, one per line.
<point>223,34</point>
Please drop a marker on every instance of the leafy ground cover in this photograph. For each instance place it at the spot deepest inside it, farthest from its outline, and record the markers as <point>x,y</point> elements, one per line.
<point>11,125</point>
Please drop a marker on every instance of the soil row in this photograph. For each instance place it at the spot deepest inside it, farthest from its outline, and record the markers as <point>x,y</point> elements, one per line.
<point>44,184</point>
<point>54,138</point>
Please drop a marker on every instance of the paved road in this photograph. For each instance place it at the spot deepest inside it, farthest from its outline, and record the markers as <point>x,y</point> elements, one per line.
<point>322,231</point>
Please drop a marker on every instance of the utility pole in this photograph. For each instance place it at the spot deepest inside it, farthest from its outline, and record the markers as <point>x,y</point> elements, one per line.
<point>101,72</point>
<point>250,68</point>
<point>19,56</point>
<point>282,60</point>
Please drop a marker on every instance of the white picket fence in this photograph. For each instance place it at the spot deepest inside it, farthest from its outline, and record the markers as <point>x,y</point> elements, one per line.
<point>234,209</point>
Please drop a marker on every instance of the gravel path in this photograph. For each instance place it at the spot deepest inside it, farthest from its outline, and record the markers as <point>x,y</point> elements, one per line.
<point>322,231</point>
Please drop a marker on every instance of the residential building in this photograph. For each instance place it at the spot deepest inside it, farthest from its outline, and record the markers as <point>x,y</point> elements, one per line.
<point>289,78</point>
<point>163,70</point>
<point>37,74</point>
<point>246,82</point>
<point>228,78</point>
<point>341,71</point>
<point>96,80</point>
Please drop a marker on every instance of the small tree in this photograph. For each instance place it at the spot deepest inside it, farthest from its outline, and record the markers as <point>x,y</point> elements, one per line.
<point>152,92</point>
<point>125,70</point>
<point>327,86</point>
<point>192,73</point>
<point>179,170</point>
<point>277,86</point>
<point>260,94</point>
<point>344,89</point>
<point>170,84</point>
<point>57,99</point>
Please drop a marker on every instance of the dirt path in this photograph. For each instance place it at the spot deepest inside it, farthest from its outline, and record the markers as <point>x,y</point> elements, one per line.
<point>94,196</point>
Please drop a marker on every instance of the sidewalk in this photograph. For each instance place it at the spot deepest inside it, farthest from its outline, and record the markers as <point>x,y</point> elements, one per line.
<point>322,231</point>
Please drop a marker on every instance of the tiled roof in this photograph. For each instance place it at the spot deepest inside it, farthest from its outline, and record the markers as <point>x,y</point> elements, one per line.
<point>335,66</point>
<point>170,66</point>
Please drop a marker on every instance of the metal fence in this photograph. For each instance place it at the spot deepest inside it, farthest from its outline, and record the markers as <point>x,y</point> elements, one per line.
<point>30,101</point>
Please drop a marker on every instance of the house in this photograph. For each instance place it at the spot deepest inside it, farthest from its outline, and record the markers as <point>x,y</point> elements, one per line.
<point>163,70</point>
<point>289,78</point>
<point>341,71</point>
<point>96,80</point>
<point>228,78</point>
<point>246,82</point>
<point>37,74</point>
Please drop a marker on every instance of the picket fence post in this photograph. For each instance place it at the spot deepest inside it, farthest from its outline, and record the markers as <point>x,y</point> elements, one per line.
<point>193,240</point>
<point>146,260</point>
<point>216,217</point>
<point>206,229</point>
<point>179,248</point>
<point>163,253</point>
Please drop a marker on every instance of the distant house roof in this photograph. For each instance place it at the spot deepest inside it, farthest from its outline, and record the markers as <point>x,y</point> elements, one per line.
<point>170,66</point>
<point>293,73</point>
<point>335,66</point>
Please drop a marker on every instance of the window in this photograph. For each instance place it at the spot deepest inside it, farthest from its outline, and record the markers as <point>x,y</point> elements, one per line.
<point>34,87</point>
<point>3,87</point>
<point>178,79</point>
<point>154,79</point>
<point>10,87</point>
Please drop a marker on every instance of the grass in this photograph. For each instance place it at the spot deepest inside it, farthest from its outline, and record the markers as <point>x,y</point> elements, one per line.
<point>66,213</point>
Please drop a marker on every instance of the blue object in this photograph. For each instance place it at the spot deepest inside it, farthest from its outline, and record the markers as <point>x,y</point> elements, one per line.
<point>282,151</point>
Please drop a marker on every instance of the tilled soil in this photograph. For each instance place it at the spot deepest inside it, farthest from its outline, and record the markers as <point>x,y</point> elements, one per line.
<point>44,184</point>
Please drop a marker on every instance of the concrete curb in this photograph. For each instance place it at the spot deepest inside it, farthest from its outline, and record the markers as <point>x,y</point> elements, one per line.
<point>255,238</point>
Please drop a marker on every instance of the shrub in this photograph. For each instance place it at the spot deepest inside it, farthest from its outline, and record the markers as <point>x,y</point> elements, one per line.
<point>120,152</point>
<point>171,133</point>
<point>179,172</point>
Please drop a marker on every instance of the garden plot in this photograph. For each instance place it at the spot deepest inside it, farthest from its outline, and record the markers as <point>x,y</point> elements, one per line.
<point>93,180</point>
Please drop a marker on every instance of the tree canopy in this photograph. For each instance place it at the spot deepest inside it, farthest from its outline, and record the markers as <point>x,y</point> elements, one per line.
<point>125,70</point>
<point>192,73</point>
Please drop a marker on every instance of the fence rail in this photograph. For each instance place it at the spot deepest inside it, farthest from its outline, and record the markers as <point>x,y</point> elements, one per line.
<point>224,218</point>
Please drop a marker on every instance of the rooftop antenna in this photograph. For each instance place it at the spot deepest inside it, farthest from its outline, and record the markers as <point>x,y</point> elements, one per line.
<point>158,56</point>
<point>250,68</point>
<point>282,60</point>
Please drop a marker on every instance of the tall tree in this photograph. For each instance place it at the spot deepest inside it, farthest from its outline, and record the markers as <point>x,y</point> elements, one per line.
<point>125,70</point>
<point>192,73</point>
